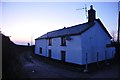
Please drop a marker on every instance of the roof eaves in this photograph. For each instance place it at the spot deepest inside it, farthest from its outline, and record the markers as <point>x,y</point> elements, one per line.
<point>90,25</point>
<point>99,21</point>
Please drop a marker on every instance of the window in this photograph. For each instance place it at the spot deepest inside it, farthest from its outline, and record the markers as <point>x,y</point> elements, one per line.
<point>63,41</point>
<point>40,50</point>
<point>50,41</point>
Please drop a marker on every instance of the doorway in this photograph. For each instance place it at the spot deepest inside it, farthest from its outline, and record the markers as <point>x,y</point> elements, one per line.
<point>63,56</point>
<point>49,53</point>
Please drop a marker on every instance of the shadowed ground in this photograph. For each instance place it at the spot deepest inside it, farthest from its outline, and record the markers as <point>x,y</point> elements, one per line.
<point>20,62</point>
<point>35,66</point>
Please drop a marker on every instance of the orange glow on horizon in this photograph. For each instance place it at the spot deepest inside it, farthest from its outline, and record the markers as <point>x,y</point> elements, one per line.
<point>23,41</point>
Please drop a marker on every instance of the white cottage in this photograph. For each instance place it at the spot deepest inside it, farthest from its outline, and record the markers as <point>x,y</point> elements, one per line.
<point>77,44</point>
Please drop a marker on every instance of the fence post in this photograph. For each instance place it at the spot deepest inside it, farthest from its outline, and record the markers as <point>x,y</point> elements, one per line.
<point>86,65</point>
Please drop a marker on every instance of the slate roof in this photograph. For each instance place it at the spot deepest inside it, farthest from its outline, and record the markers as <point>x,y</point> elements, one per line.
<point>74,30</point>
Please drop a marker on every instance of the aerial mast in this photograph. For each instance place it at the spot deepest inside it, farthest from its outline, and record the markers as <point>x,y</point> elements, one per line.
<point>85,8</point>
<point>31,40</point>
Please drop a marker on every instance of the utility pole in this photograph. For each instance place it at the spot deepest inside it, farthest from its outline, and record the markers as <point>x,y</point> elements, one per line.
<point>118,51</point>
<point>31,40</point>
<point>118,38</point>
<point>117,56</point>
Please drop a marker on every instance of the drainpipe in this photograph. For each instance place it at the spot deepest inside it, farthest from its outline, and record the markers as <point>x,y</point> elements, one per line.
<point>86,65</point>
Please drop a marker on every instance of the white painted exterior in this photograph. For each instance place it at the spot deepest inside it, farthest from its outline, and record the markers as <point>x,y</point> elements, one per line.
<point>92,41</point>
<point>43,44</point>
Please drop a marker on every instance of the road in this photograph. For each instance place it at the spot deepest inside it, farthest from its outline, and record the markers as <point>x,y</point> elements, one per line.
<point>34,68</point>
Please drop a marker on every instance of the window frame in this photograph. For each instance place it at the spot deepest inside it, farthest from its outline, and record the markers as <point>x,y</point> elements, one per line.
<point>50,41</point>
<point>40,50</point>
<point>63,41</point>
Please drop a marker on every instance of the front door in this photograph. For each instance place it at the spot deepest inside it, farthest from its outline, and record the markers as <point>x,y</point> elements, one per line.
<point>49,53</point>
<point>63,56</point>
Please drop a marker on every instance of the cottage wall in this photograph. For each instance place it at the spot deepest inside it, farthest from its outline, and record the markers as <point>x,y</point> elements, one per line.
<point>74,50</point>
<point>41,43</point>
<point>55,48</point>
<point>94,45</point>
<point>73,53</point>
<point>90,44</point>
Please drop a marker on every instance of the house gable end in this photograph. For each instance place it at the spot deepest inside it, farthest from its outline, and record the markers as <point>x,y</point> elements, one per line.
<point>103,27</point>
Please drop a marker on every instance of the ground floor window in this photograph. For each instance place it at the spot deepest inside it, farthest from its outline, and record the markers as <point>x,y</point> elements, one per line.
<point>40,50</point>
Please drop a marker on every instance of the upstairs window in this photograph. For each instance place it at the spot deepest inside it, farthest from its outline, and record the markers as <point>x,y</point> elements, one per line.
<point>50,41</point>
<point>40,50</point>
<point>63,41</point>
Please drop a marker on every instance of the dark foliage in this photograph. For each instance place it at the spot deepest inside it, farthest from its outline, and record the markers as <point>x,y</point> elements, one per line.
<point>11,66</point>
<point>117,54</point>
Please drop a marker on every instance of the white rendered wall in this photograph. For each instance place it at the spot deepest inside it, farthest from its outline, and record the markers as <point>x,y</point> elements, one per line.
<point>41,43</point>
<point>94,40</point>
<point>72,48</point>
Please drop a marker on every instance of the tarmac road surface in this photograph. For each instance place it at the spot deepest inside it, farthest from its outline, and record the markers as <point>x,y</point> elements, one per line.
<point>34,68</point>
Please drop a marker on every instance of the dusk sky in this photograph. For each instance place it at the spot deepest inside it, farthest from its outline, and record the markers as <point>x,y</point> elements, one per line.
<point>25,20</point>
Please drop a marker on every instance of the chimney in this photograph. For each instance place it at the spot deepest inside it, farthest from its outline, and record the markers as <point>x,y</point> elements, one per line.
<point>91,14</point>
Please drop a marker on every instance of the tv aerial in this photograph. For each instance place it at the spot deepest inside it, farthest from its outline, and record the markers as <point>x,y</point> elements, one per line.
<point>85,8</point>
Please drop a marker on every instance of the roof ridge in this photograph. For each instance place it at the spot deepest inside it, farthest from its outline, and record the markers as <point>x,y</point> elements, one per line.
<point>68,27</point>
<point>73,30</point>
